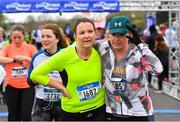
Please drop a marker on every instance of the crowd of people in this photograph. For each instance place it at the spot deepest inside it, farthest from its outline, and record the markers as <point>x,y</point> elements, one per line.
<point>97,77</point>
<point>161,41</point>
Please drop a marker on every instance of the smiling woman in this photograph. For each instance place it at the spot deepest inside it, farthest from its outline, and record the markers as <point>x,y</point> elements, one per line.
<point>46,97</point>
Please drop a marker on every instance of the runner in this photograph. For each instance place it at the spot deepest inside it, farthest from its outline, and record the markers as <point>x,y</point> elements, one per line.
<point>47,104</point>
<point>19,95</point>
<point>125,65</point>
<point>83,93</point>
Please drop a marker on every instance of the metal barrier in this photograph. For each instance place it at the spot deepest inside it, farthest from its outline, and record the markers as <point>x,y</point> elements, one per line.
<point>169,88</point>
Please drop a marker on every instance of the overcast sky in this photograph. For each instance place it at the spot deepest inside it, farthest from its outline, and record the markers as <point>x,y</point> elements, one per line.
<point>21,17</point>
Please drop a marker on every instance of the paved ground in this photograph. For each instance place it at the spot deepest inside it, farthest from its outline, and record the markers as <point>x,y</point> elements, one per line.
<point>166,108</point>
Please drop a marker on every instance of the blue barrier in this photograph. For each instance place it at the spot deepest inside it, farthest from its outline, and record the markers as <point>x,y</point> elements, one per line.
<point>167,111</point>
<point>161,111</point>
<point>3,114</point>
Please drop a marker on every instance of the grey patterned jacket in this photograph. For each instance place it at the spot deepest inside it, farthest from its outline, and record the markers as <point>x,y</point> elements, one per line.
<point>135,100</point>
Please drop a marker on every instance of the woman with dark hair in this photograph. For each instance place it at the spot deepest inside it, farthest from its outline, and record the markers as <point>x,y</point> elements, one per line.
<point>126,61</point>
<point>83,92</point>
<point>47,104</point>
<point>19,95</point>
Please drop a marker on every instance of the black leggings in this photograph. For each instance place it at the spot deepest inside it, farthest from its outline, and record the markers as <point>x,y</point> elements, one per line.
<point>19,103</point>
<point>98,114</point>
<point>46,111</point>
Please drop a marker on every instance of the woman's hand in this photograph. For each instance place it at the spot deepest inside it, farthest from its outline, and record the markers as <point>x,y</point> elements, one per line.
<point>21,58</point>
<point>57,83</point>
<point>65,92</point>
<point>6,60</point>
<point>135,39</point>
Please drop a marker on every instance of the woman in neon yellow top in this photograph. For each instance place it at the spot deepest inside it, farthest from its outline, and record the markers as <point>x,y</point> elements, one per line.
<point>83,93</point>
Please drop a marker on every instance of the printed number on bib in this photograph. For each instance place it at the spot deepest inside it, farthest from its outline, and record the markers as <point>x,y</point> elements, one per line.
<point>119,84</point>
<point>52,94</point>
<point>19,71</point>
<point>89,91</point>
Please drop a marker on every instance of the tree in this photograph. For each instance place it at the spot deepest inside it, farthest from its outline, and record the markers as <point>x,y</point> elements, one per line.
<point>2,18</point>
<point>3,22</point>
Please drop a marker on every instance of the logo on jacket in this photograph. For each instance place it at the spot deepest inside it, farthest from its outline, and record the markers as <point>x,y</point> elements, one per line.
<point>119,70</point>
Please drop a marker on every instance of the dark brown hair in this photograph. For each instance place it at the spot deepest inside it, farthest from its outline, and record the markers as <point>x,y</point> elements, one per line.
<point>160,43</point>
<point>82,20</point>
<point>58,34</point>
<point>18,28</point>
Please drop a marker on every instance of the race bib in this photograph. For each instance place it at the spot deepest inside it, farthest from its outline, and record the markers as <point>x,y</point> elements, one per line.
<point>88,91</point>
<point>53,95</point>
<point>119,84</point>
<point>19,71</point>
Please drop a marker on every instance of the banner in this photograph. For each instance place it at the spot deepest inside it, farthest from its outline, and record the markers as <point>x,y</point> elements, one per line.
<point>13,6</point>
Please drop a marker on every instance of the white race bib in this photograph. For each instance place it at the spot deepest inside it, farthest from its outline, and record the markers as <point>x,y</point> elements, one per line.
<point>119,84</point>
<point>88,91</point>
<point>19,71</point>
<point>53,95</point>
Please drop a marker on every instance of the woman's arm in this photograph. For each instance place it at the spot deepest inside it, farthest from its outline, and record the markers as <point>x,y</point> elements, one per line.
<point>6,60</point>
<point>150,62</point>
<point>57,83</point>
<point>40,73</point>
<point>21,58</point>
